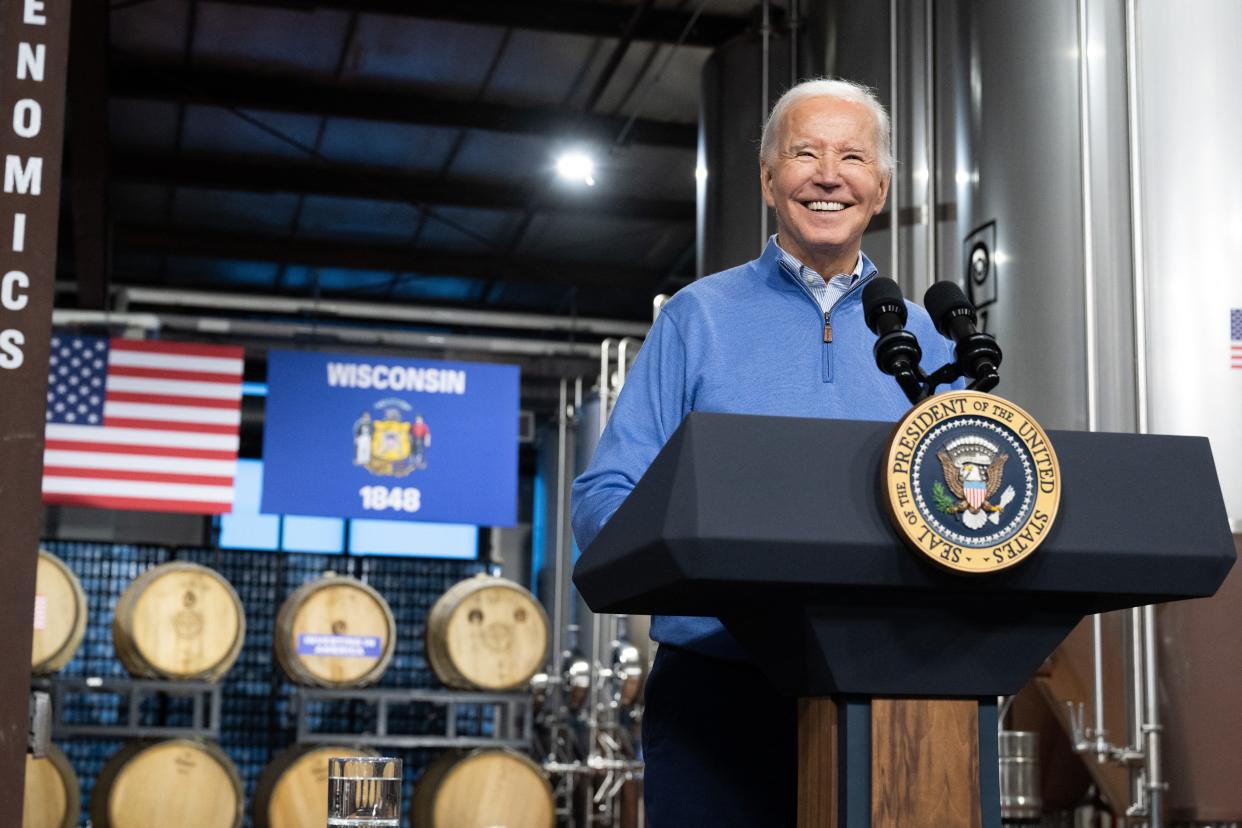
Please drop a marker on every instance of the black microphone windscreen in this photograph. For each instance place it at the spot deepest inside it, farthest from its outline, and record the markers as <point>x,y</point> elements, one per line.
<point>941,300</point>
<point>879,293</point>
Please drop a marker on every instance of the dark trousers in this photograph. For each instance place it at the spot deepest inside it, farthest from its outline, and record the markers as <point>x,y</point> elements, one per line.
<point>720,745</point>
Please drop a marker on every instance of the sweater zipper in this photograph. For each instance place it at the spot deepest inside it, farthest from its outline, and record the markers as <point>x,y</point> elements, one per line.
<point>827,359</point>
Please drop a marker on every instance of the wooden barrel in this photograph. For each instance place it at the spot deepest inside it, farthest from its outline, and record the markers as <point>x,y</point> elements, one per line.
<point>181,782</point>
<point>486,633</point>
<point>335,631</point>
<point>292,791</point>
<point>52,792</point>
<point>178,621</point>
<point>60,613</point>
<point>483,789</point>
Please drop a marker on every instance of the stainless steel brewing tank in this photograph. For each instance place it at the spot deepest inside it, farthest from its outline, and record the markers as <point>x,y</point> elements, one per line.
<point>1019,777</point>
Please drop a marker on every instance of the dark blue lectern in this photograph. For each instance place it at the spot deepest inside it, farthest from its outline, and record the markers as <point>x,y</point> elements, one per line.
<point>776,526</point>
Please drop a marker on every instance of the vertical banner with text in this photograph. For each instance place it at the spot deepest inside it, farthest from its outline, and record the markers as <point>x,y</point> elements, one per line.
<point>384,437</point>
<point>34,42</point>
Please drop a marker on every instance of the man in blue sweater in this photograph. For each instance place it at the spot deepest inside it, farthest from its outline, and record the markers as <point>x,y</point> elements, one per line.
<point>781,335</point>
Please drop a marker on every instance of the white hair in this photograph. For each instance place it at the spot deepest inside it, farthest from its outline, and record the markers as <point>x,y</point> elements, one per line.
<point>828,88</point>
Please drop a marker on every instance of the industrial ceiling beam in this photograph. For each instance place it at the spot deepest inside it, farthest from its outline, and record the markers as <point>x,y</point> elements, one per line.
<point>369,255</point>
<point>638,14</point>
<point>128,297</point>
<point>354,334</point>
<point>351,181</point>
<point>568,16</point>
<point>223,87</point>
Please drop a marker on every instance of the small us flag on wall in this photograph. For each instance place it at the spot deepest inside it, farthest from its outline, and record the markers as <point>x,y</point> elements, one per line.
<point>133,424</point>
<point>1235,338</point>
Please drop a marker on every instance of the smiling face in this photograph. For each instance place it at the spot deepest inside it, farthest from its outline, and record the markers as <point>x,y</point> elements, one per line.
<point>825,182</point>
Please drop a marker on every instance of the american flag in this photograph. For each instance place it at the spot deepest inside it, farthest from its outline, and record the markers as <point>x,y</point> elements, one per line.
<point>133,424</point>
<point>1235,338</point>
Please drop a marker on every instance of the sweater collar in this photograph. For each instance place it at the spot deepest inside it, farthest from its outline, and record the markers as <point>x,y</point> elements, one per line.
<point>771,258</point>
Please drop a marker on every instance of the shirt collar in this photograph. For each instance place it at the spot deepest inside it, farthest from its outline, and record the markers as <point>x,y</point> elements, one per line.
<point>799,269</point>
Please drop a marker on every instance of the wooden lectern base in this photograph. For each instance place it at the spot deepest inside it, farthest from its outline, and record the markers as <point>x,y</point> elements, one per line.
<point>818,741</point>
<point>924,764</point>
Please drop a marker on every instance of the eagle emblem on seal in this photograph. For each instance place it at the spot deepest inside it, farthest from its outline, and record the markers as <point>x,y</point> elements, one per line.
<point>973,468</point>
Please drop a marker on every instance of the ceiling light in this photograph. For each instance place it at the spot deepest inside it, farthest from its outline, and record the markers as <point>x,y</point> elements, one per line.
<point>576,166</point>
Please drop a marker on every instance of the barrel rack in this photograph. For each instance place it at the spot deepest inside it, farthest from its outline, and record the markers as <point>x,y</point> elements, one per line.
<point>511,717</point>
<point>204,714</point>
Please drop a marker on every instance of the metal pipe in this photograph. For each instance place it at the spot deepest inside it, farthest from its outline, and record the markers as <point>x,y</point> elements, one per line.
<point>560,591</point>
<point>372,336</point>
<point>631,767</point>
<point>150,321</point>
<point>765,36</point>
<point>623,349</point>
<point>598,621</point>
<point>1152,727</point>
<point>1003,703</point>
<point>1097,652</point>
<point>1135,701</point>
<point>612,623</point>
<point>632,26</point>
<point>608,625</point>
<point>605,380</point>
<point>1147,738</point>
<point>1135,712</point>
<point>929,91</point>
<point>894,180</point>
<point>1139,286</point>
<point>1088,234</point>
<point>602,670</point>
<point>125,296</point>
<point>336,333</point>
<point>657,305</point>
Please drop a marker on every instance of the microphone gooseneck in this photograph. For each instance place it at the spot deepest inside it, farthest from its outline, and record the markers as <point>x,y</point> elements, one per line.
<point>978,355</point>
<point>897,351</point>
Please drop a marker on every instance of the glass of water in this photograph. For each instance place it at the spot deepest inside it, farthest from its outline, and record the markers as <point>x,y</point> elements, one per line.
<point>364,792</point>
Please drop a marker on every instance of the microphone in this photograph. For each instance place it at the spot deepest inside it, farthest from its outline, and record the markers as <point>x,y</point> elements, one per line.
<point>978,355</point>
<point>897,351</point>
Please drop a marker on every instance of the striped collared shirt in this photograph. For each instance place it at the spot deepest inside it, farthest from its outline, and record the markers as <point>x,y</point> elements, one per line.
<point>825,291</point>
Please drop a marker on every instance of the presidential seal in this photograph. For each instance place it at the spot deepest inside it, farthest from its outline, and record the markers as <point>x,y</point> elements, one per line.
<point>971,481</point>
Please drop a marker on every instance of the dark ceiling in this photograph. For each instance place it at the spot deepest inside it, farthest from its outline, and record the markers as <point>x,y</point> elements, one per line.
<point>387,150</point>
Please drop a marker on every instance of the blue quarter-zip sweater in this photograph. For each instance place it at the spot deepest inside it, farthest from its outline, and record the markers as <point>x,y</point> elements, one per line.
<point>751,340</point>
